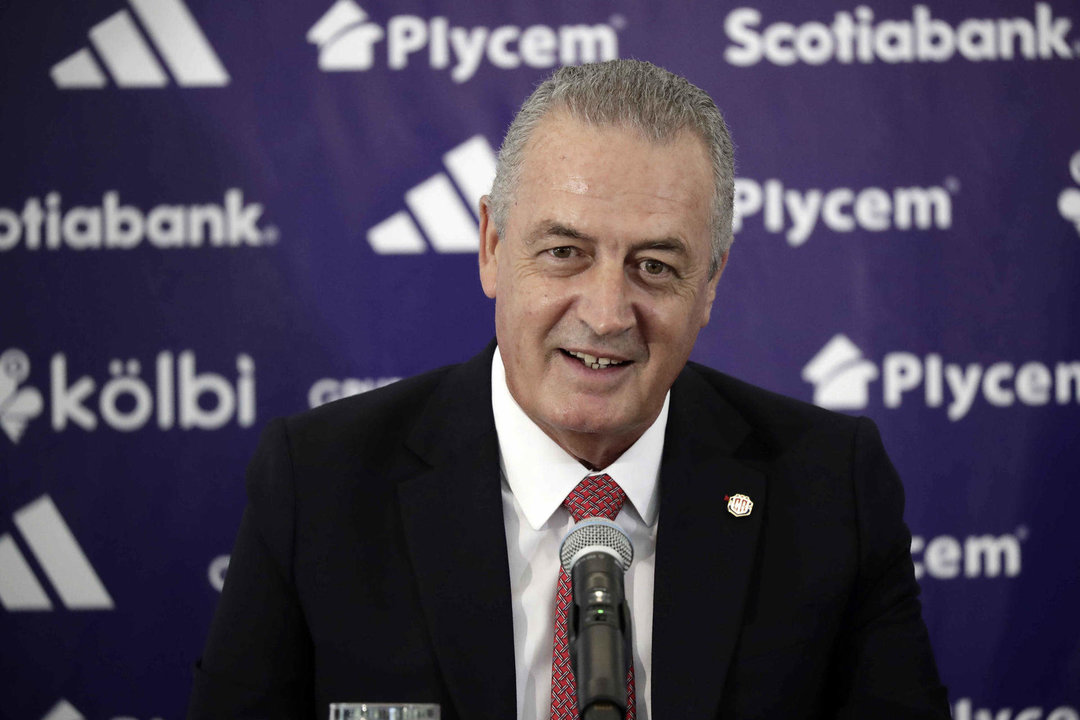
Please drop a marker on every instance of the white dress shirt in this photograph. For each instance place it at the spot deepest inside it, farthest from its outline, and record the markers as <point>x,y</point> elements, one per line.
<point>537,475</point>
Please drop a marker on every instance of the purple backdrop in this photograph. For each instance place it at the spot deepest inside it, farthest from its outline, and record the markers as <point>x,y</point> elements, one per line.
<point>214,213</point>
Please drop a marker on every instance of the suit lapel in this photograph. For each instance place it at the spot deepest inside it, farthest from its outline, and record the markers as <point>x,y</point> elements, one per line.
<point>704,555</point>
<point>453,522</point>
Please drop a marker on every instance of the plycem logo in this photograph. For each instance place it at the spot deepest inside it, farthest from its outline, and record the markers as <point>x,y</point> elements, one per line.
<point>61,558</point>
<point>329,389</point>
<point>18,406</point>
<point>841,379</point>
<point>181,396</point>
<point>840,375</point>
<point>859,38</point>
<point>129,59</point>
<point>217,570</point>
<point>112,225</point>
<point>1069,199</point>
<point>445,218</point>
<point>964,709</point>
<point>798,213</point>
<point>347,40</point>
<point>946,557</point>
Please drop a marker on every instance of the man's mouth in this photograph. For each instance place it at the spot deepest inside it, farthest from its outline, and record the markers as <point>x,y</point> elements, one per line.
<point>594,362</point>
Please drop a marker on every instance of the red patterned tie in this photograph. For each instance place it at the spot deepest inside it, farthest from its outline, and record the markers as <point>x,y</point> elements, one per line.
<point>595,496</point>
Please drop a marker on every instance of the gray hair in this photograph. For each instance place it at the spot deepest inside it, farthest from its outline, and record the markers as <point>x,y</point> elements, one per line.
<point>627,93</point>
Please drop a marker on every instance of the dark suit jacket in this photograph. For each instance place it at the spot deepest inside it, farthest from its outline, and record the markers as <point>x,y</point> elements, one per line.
<point>371,563</point>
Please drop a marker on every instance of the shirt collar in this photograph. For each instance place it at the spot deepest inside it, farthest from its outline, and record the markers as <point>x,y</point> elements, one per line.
<point>541,474</point>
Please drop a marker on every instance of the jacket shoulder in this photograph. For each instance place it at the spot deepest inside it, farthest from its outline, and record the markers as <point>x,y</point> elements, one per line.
<point>366,424</point>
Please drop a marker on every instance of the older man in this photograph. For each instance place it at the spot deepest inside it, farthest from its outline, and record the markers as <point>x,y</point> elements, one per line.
<point>403,545</point>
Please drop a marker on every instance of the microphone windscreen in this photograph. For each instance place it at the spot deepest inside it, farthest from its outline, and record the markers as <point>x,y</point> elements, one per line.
<point>596,535</point>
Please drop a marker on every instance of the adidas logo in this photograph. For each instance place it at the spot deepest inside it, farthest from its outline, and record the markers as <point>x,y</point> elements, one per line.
<point>1069,199</point>
<point>129,59</point>
<point>18,406</point>
<point>63,710</point>
<point>59,555</point>
<point>438,207</point>
<point>840,375</point>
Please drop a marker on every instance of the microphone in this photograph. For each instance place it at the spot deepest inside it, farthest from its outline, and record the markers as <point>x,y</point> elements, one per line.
<point>595,554</point>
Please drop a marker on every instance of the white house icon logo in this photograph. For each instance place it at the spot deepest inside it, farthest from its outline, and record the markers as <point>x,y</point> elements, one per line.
<point>346,40</point>
<point>840,375</point>
<point>18,406</point>
<point>439,208</point>
<point>128,57</point>
<point>60,556</point>
<point>1069,199</point>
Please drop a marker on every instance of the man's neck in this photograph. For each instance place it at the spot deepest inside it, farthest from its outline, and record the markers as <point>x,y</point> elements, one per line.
<point>594,451</point>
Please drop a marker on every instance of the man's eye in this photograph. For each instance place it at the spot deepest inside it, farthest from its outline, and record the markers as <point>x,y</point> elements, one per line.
<point>562,252</point>
<point>653,267</point>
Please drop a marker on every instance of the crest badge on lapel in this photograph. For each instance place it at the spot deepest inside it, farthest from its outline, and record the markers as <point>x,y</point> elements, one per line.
<point>739,505</point>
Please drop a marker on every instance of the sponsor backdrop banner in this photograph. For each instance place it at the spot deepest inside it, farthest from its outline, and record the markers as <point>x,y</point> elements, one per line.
<point>214,213</point>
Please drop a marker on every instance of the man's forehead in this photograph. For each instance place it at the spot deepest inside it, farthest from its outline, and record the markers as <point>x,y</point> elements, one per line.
<point>560,122</point>
<point>572,165</point>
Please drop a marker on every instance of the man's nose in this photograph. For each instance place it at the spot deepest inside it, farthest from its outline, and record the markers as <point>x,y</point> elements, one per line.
<point>606,304</point>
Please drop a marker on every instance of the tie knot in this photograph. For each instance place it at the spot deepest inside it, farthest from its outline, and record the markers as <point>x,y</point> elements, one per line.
<point>595,496</point>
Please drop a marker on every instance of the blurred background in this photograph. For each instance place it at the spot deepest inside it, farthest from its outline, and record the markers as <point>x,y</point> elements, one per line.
<point>215,213</point>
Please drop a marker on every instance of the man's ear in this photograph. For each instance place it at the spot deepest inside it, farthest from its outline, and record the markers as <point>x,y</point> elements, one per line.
<point>489,242</point>
<point>711,289</point>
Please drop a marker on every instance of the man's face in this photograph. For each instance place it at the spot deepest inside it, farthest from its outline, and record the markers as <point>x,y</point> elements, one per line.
<point>605,255</point>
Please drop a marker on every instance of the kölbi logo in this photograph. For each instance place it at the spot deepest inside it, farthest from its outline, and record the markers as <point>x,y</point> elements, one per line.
<point>18,406</point>
<point>129,59</point>
<point>113,225</point>
<point>1069,199</point>
<point>181,395</point>
<point>841,377</point>
<point>346,38</point>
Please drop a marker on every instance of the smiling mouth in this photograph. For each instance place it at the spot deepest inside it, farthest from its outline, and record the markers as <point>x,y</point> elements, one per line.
<point>596,363</point>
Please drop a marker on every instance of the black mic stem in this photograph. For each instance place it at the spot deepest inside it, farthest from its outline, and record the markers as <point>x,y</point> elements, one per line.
<point>599,635</point>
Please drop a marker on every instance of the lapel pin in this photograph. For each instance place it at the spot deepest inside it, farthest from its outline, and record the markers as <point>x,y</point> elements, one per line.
<point>739,505</point>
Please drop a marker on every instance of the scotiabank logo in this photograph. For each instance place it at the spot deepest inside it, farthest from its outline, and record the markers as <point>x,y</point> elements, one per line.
<point>348,40</point>
<point>798,213</point>
<point>113,225</point>
<point>946,557</point>
<point>859,37</point>
<point>180,395</point>
<point>841,377</point>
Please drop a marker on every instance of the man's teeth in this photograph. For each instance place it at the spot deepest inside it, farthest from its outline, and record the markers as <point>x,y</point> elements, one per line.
<point>594,362</point>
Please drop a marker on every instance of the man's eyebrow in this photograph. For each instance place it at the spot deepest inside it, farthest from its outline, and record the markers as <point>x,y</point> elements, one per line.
<point>672,243</point>
<point>551,228</point>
